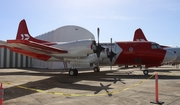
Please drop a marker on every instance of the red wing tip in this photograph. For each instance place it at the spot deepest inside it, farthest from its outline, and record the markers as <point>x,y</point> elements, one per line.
<point>37,45</point>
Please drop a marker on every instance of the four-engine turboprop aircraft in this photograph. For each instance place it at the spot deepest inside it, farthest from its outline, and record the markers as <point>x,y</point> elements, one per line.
<point>82,53</point>
<point>139,36</point>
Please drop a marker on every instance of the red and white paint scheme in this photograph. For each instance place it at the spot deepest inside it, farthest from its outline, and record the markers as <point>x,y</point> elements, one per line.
<point>139,36</point>
<point>80,53</point>
<point>145,53</point>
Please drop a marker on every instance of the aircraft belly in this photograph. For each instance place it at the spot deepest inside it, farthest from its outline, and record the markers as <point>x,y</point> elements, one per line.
<point>55,59</point>
<point>81,64</point>
<point>91,59</point>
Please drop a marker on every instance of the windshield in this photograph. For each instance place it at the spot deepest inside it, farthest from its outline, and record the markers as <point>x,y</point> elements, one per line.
<point>155,46</point>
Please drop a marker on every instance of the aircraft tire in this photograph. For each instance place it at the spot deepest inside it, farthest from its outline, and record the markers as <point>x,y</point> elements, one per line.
<point>145,72</point>
<point>96,69</point>
<point>73,72</point>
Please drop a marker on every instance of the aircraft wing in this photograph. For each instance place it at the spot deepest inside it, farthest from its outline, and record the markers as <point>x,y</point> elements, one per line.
<point>32,46</point>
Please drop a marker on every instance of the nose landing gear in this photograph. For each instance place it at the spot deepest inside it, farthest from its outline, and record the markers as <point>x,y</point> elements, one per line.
<point>145,72</point>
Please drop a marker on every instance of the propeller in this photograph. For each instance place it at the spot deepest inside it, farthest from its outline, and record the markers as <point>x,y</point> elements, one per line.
<point>99,48</point>
<point>111,55</point>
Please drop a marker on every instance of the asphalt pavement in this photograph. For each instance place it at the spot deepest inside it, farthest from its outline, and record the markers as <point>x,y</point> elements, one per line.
<point>118,86</point>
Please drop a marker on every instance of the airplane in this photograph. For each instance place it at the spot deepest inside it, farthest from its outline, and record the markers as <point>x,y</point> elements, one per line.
<point>82,53</point>
<point>52,51</point>
<point>139,36</point>
<point>139,53</point>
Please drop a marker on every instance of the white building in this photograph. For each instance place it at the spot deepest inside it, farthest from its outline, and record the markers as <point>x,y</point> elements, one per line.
<point>9,59</point>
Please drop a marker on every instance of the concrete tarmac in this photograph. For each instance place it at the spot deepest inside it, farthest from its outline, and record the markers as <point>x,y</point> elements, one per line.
<point>118,86</point>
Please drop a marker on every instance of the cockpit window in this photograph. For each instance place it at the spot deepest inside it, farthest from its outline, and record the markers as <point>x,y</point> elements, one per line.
<point>155,46</point>
<point>158,46</point>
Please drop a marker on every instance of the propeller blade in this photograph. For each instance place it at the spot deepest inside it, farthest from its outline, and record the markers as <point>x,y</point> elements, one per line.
<point>98,31</point>
<point>98,51</point>
<point>99,48</point>
<point>111,55</point>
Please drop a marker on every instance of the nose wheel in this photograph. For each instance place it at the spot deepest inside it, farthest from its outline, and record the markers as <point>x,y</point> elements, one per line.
<point>73,72</point>
<point>145,72</point>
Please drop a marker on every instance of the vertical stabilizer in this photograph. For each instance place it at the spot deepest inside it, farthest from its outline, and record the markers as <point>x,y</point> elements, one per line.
<point>23,33</point>
<point>139,35</point>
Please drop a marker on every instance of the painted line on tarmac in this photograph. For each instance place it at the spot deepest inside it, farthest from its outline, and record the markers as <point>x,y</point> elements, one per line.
<point>105,93</point>
<point>76,94</point>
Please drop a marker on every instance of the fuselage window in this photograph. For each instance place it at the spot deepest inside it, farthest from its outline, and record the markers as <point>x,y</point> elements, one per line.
<point>130,49</point>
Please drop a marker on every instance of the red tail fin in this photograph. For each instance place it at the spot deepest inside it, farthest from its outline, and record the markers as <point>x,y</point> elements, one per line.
<point>139,35</point>
<point>23,33</point>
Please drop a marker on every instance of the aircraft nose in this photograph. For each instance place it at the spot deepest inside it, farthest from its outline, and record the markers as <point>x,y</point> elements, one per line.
<point>170,56</point>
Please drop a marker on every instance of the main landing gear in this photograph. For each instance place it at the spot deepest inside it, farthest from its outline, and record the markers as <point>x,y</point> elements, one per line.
<point>96,69</point>
<point>73,72</point>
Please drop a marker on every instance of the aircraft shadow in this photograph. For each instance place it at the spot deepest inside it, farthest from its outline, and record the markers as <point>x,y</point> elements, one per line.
<point>69,82</point>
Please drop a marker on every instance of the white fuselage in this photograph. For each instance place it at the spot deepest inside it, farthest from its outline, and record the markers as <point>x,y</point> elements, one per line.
<point>80,48</point>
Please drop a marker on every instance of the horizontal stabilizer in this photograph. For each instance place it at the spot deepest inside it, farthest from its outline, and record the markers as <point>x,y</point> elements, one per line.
<point>36,46</point>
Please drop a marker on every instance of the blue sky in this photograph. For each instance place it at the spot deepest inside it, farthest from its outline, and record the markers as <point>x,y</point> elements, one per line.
<point>117,19</point>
